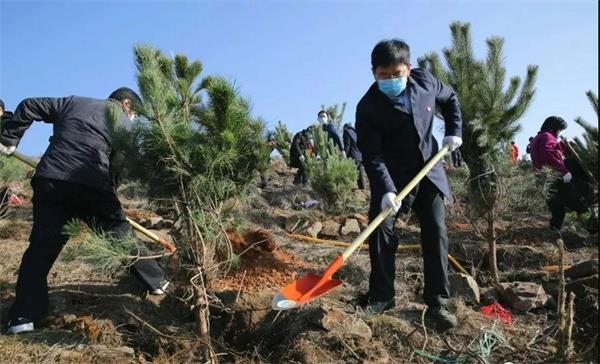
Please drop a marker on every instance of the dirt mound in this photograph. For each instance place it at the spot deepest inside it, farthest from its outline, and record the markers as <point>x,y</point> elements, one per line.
<point>262,263</point>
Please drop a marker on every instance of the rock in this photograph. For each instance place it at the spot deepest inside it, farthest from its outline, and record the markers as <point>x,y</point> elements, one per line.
<point>336,321</point>
<point>330,229</point>
<point>292,222</point>
<point>582,269</point>
<point>120,354</point>
<point>465,287</point>
<point>361,218</point>
<point>314,229</point>
<point>489,297</point>
<point>582,285</point>
<point>524,296</point>
<point>351,227</point>
<point>68,319</point>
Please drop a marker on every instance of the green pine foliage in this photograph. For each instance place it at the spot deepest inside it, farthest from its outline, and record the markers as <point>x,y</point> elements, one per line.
<point>587,146</point>
<point>331,176</point>
<point>491,108</point>
<point>195,144</point>
<point>283,139</point>
<point>11,170</point>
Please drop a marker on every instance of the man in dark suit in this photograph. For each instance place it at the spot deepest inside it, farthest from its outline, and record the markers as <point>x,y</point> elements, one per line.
<point>394,122</point>
<point>74,179</point>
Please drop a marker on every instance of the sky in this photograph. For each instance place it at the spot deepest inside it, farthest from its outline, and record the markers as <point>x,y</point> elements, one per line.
<point>290,57</point>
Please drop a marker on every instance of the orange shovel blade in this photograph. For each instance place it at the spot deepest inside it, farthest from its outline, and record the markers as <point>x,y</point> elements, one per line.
<point>308,287</point>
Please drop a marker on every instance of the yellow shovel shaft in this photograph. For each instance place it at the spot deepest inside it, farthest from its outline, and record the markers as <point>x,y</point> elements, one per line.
<point>30,162</point>
<point>386,212</point>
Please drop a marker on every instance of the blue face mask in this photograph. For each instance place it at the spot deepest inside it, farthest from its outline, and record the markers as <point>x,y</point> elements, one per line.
<point>393,86</point>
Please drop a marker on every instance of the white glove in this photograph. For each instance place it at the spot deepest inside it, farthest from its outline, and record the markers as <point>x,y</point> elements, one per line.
<point>389,200</point>
<point>344,153</point>
<point>302,158</point>
<point>452,142</point>
<point>7,150</point>
<point>567,177</point>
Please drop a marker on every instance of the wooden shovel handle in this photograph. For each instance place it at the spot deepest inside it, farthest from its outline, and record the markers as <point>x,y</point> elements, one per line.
<point>385,213</point>
<point>30,162</point>
<point>169,246</point>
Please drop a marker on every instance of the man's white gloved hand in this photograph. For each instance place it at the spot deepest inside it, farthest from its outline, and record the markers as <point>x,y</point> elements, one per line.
<point>302,158</point>
<point>7,150</point>
<point>567,177</point>
<point>389,200</point>
<point>452,142</point>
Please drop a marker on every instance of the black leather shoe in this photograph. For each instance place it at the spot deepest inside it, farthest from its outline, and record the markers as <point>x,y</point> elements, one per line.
<point>377,308</point>
<point>440,318</point>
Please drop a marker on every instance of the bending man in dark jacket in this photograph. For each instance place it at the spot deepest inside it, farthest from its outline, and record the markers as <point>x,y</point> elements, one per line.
<point>352,151</point>
<point>394,122</point>
<point>72,180</point>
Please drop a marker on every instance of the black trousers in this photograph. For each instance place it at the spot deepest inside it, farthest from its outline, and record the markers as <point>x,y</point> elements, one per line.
<point>54,204</point>
<point>301,177</point>
<point>576,195</point>
<point>361,176</point>
<point>429,208</point>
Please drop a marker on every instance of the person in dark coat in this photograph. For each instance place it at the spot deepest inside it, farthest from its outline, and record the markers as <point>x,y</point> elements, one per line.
<point>72,180</point>
<point>299,147</point>
<point>394,124</point>
<point>3,189</point>
<point>352,151</point>
<point>325,120</point>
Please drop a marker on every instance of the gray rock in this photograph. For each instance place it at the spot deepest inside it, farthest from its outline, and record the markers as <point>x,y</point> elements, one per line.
<point>330,229</point>
<point>524,296</point>
<point>314,229</point>
<point>336,321</point>
<point>465,287</point>
<point>351,227</point>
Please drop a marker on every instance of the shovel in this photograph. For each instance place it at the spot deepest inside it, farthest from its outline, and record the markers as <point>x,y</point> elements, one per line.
<point>311,286</point>
<point>167,245</point>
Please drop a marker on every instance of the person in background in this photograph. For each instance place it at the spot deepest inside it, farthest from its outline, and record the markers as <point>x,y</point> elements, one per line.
<point>326,122</point>
<point>73,180</point>
<point>352,151</point>
<point>528,148</point>
<point>394,126</point>
<point>548,151</point>
<point>513,153</point>
<point>300,148</point>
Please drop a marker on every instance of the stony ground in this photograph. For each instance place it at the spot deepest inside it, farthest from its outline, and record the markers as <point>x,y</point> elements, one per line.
<point>99,319</point>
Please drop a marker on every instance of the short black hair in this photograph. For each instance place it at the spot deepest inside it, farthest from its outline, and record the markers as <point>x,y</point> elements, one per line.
<point>389,52</point>
<point>322,112</point>
<point>554,124</point>
<point>124,93</point>
<point>2,105</point>
<point>530,138</point>
<point>512,142</point>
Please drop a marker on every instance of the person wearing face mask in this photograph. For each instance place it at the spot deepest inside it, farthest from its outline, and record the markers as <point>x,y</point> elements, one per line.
<point>325,120</point>
<point>565,192</point>
<point>394,124</point>
<point>72,180</point>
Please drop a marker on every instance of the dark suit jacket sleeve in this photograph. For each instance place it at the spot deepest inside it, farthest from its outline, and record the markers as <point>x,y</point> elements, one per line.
<point>346,140</point>
<point>447,100</point>
<point>29,110</point>
<point>369,144</point>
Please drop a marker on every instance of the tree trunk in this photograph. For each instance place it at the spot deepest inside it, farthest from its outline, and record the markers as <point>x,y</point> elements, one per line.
<point>491,235</point>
